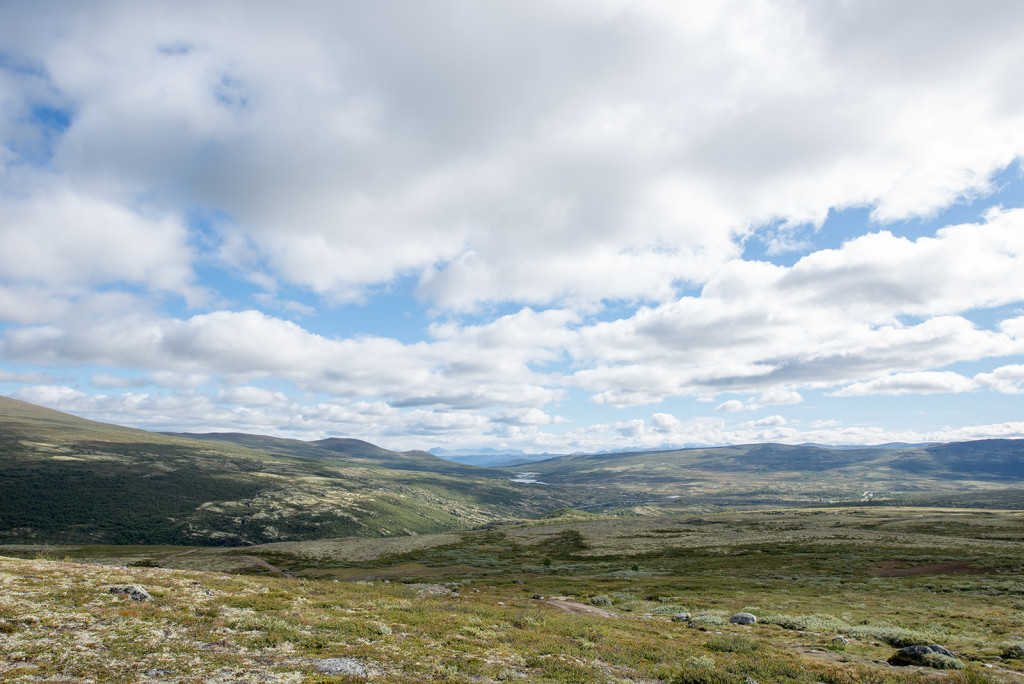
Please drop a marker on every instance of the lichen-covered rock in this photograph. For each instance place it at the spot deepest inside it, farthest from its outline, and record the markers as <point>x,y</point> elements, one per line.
<point>132,591</point>
<point>340,666</point>
<point>1013,650</point>
<point>931,655</point>
<point>743,619</point>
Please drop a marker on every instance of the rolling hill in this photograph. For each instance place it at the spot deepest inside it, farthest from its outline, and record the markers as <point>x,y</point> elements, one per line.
<point>778,470</point>
<point>64,479</point>
<point>69,480</point>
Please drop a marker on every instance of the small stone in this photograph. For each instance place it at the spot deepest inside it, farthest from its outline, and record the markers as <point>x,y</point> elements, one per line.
<point>681,617</point>
<point>743,619</point>
<point>340,666</point>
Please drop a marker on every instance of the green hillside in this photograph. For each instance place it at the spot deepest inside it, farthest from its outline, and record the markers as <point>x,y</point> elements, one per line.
<point>777,470</point>
<point>347,450</point>
<point>68,480</point>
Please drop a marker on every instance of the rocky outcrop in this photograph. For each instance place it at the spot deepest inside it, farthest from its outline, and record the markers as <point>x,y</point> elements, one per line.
<point>132,591</point>
<point>340,666</point>
<point>931,655</point>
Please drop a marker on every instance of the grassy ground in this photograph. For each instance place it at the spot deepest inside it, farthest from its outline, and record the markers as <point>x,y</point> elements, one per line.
<point>524,607</point>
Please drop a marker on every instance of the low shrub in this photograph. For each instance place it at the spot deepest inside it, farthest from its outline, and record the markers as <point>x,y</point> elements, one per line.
<point>894,636</point>
<point>708,620</point>
<point>701,670</point>
<point>808,623</point>
<point>733,644</point>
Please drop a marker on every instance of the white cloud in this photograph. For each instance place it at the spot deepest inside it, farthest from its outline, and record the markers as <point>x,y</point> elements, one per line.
<point>1005,379</point>
<point>833,318</point>
<point>582,164</point>
<point>779,397</point>
<point>528,152</point>
<point>60,238</point>
<point>767,421</point>
<point>471,368</point>
<point>771,397</point>
<point>25,377</point>
<point>252,396</point>
<point>923,382</point>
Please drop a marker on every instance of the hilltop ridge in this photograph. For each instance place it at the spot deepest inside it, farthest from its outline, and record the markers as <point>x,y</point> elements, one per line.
<point>67,479</point>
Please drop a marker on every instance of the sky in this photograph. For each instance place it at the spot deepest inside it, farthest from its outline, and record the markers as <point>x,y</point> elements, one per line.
<point>542,225</point>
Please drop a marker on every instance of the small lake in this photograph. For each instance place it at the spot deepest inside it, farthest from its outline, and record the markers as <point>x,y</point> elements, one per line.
<point>527,478</point>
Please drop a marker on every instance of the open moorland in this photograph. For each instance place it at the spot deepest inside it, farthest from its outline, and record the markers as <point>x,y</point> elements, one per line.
<point>577,598</point>
<point>454,573</point>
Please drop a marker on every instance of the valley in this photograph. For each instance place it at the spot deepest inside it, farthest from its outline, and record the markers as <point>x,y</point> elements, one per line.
<point>269,560</point>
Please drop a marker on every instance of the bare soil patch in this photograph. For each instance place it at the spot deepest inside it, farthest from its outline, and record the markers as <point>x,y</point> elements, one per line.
<point>578,608</point>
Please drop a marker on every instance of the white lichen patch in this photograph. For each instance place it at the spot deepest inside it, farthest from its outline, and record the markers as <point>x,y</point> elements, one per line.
<point>60,623</point>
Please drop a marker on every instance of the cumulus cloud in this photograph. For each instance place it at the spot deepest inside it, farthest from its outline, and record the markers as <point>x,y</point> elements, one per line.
<point>924,382</point>
<point>1005,379</point>
<point>476,368</point>
<point>525,152</point>
<point>834,317</point>
<point>567,188</point>
<point>63,239</point>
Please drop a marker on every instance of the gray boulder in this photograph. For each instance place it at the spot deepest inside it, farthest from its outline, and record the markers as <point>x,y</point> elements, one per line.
<point>340,666</point>
<point>132,591</point>
<point>681,617</point>
<point>743,619</point>
<point>931,655</point>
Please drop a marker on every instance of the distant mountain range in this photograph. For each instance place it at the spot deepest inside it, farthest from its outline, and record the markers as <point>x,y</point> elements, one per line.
<point>491,458</point>
<point>71,480</point>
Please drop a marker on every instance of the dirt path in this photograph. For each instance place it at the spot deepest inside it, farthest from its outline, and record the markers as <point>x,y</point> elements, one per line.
<point>177,555</point>
<point>259,562</point>
<point>578,608</point>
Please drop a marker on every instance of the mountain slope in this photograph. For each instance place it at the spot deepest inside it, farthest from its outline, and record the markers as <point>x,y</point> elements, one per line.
<point>353,451</point>
<point>66,479</point>
<point>807,470</point>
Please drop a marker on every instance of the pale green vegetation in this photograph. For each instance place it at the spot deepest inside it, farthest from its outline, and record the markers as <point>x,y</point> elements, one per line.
<point>68,480</point>
<point>578,581</point>
<point>881,578</point>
